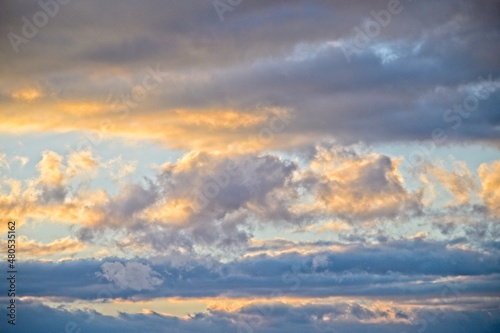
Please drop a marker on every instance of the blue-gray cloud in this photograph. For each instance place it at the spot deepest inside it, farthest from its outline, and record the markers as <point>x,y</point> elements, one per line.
<point>411,268</point>
<point>400,87</point>
<point>275,318</point>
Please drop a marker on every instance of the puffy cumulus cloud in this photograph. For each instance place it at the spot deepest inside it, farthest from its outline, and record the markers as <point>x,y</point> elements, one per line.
<point>459,181</point>
<point>202,200</point>
<point>132,275</point>
<point>206,200</point>
<point>50,168</point>
<point>56,194</point>
<point>358,187</point>
<point>56,174</point>
<point>490,182</point>
<point>214,202</point>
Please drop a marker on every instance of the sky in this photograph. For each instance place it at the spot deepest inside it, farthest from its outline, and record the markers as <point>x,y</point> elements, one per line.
<point>251,166</point>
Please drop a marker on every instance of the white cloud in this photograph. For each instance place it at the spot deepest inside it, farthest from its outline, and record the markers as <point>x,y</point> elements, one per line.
<point>132,275</point>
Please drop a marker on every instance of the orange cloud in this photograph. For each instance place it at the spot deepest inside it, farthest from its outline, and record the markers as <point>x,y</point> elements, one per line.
<point>363,187</point>
<point>29,248</point>
<point>459,182</point>
<point>174,212</point>
<point>27,94</point>
<point>216,129</point>
<point>46,197</point>
<point>50,168</point>
<point>217,119</point>
<point>489,174</point>
<point>81,162</point>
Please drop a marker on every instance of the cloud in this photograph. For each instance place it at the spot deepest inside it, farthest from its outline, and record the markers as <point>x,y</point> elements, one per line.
<point>120,169</point>
<point>460,182</point>
<point>412,268</point>
<point>132,275</point>
<point>81,162</point>
<point>201,200</point>
<point>211,202</point>
<point>246,101</point>
<point>273,318</point>
<point>490,182</point>
<point>55,175</point>
<point>423,63</point>
<point>60,193</point>
<point>4,163</point>
<point>27,94</point>
<point>205,200</point>
<point>357,187</point>
<point>22,160</point>
<point>50,168</point>
<point>63,246</point>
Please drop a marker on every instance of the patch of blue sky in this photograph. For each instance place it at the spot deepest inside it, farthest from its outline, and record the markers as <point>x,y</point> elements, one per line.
<point>143,154</point>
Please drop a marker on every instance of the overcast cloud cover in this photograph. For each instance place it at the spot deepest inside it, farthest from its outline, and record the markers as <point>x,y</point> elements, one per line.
<point>252,166</point>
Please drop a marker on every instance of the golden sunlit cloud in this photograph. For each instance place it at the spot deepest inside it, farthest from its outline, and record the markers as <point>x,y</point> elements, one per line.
<point>490,182</point>
<point>27,94</point>
<point>459,182</point>
<point>364,187</point>
<point>30,249</point>
<point>217,130</point>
